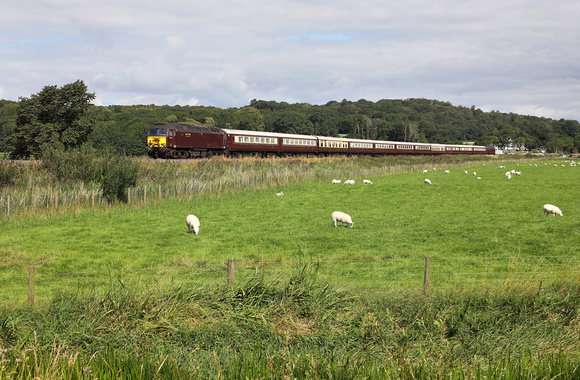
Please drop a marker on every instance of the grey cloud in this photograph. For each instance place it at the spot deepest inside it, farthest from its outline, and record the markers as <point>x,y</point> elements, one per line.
<point>516,56</point>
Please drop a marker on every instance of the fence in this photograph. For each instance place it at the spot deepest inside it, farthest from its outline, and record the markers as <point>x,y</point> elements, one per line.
<point>376,276</point>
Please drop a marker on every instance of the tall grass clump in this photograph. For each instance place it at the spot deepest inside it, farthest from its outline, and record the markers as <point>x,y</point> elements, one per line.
<point>112,173</point>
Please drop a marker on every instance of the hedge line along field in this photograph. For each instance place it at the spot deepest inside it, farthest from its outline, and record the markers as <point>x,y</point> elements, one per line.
<point>398,216</point>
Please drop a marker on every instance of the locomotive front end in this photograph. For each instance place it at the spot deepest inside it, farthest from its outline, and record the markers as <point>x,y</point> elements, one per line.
<point>156,142</point>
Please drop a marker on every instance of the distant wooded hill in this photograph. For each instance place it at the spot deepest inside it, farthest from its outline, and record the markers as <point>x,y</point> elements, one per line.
<point>123,128</point>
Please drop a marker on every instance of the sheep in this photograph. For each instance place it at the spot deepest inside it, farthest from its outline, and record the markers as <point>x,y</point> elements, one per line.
<point>518,173</point>
<point>349,182</point>
<point>425,171</point>
<point>192,224</point>
<point>474,173</point>
<point>335,181</point>
<point>501,167</point>
<point>509,176</point>
<point>341,217</point>
<point>478,178</point>
<point>466,172</point>
<point>367,182</point>
<point>551,209</point>
<point>446,172</point>
<point>427,181</point>
<point>280,194</point>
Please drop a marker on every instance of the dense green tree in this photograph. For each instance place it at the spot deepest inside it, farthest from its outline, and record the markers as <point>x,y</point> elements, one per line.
<point>55,116</point>
<point>249,118</point>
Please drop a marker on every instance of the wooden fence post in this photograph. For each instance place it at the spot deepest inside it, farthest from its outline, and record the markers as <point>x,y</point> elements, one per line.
<point>8,206</point>
<point>31,275</point>
<point>159,193</point>
<point>145,195</point>
<point>129,195</point>
<point>426,278</point>
<point>231,271</point>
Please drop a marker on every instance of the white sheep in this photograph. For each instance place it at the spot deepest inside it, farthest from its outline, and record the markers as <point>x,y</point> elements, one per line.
<point>367,182</point>
<point>341,217</point>
<point>192,223</point>
<point>551,209</point>
<point>280,194</point>
<point>446,172</point>
<point>501,167</point>
<point>425,171</point>
<point>349,182</point>
<point>335,181</point>
<point>509,176</point>
<point>474,173</point>
<point>427,181</point>
<point>466,172</point>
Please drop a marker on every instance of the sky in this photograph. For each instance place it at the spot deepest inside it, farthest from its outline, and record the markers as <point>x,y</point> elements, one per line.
<point>511,56</point>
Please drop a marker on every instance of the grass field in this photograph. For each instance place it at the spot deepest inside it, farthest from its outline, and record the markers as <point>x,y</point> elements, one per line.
<point>299,327</point>
<point>398,216</point>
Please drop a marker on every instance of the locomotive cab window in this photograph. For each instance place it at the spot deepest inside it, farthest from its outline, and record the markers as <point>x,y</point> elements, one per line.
<point>157,132</point>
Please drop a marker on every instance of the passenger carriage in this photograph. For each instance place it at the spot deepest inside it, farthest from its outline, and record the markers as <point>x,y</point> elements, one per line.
<point>243,143</point>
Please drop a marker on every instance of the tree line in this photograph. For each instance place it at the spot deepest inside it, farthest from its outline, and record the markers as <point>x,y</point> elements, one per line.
<point>65,118</point>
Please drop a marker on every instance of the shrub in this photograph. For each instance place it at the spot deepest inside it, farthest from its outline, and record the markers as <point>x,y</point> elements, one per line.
<point>8,173</point>
<point>113,173</point>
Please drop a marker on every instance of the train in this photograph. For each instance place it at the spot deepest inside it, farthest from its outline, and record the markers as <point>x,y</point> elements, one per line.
<point>181,141</point>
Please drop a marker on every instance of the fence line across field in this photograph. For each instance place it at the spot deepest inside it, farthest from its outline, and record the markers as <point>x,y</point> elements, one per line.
<point>376,275</point>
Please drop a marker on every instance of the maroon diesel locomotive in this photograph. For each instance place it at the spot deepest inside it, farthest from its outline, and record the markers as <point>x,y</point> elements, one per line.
<point>193,141</point>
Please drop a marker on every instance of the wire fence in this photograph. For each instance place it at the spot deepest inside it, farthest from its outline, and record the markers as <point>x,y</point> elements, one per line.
<point>376,276</point>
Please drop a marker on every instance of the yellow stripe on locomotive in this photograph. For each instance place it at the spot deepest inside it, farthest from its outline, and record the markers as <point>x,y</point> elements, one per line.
<point>156,141</point>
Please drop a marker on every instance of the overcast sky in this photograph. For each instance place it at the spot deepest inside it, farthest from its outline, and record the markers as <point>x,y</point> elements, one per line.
<point>504,55</point>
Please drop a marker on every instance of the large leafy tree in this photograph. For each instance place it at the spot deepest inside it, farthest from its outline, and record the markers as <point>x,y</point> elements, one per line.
<point>53,117</point>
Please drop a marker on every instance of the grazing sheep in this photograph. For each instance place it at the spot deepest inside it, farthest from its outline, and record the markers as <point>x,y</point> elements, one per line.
<point>427,181</point>
<point>509,176</point>
<point>335,181</point>
<point>466,172</point>
<point>501,167</point>
<point>551,209</point>
<point>425,171</point>
<point>367,182</point>
<point>280,194</point>
<point>446,172</point>
<point>474,173</point>
<point>518,173</point>
<point>192,223</point>
<point>478,178</point>
<point>349,182</point>
<point>341,217</point>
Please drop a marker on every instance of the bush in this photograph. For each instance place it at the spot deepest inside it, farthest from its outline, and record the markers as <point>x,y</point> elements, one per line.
<point>113,173</point>
<point>8,173</point>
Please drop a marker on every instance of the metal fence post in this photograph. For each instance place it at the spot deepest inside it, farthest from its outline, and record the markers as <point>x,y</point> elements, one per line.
<point>426,278</point>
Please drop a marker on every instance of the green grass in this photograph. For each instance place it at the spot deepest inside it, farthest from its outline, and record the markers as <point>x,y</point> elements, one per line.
<point>301,325</point>
<point>397,217</point>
